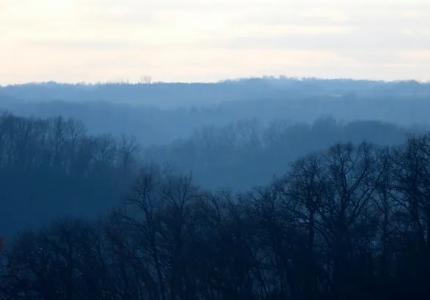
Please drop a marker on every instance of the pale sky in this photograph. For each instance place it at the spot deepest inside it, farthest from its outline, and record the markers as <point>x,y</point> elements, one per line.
<point>210,40</point>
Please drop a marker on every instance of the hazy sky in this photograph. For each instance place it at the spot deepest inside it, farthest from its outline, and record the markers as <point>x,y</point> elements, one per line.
<point>207,40</point>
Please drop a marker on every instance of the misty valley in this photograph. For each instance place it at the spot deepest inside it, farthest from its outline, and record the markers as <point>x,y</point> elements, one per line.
<point>262,188</point>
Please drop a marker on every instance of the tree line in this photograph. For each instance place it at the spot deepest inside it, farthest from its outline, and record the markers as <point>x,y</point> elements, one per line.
<point>68,172</point>
<point>159,113</point>
<point>53,167</point>
<point>351,222</point>
<point>248,153</point>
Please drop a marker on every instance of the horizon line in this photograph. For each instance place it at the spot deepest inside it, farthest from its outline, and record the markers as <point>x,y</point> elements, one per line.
<point>267,77</point>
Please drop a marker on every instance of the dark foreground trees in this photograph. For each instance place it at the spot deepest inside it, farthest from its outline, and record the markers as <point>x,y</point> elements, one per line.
<point>352,222</point>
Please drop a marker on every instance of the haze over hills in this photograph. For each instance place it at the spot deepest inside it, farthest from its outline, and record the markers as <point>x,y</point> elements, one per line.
<point>159,113</point>
<point>174,95</point>
<point>207,184</point>
<point>232,135</point>
<point>220,170</point>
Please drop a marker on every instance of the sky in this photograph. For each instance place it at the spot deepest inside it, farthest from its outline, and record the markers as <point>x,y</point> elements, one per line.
<point>211,40</point>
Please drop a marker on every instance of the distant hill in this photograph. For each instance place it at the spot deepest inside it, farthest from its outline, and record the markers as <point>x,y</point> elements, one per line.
<point>160,113</point>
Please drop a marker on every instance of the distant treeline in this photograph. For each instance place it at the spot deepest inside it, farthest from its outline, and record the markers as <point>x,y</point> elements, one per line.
<point>350,222</point>
<point>175,95</point>
<point>247,153</point>
<point>159,113</point>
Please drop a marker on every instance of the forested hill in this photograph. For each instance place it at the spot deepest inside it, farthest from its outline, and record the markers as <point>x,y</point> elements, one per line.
<point>160,113</point>
<point>52,168</point>
<point>246,153</point>
<point>173,95</point>
<point>350,222</point>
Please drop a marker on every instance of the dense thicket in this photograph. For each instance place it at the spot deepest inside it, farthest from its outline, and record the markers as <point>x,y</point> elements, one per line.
<point>51,168</point>
<point>352,222</point>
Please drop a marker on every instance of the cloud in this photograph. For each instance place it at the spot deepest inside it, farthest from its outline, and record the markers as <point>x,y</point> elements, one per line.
<point>75,40</point>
